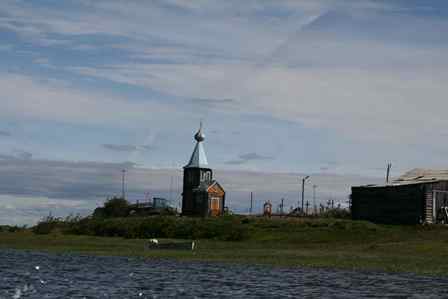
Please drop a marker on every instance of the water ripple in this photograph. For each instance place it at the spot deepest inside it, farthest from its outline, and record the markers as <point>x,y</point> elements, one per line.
<point>27,274</point>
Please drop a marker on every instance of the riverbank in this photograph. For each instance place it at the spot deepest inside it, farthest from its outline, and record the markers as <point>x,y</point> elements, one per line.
<point>332,243</point>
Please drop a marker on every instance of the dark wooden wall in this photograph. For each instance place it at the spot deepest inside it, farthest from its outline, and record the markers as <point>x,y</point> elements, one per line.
<point>195,203</point>
<point>389,204</point>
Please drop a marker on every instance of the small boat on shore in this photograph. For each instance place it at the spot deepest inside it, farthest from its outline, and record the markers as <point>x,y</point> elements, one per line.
<point>155,244</point>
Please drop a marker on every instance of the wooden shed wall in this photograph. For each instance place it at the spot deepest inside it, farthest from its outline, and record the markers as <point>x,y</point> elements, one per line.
<point>429,189</point>
<point>389,204</point>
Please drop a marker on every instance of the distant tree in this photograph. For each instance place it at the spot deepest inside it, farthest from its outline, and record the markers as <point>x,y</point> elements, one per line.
<point>47,225</point>
<point>115,207</point>
<point>99,213</point>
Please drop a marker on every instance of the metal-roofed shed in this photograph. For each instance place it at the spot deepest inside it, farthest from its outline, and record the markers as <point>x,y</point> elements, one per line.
<point>418,196</point>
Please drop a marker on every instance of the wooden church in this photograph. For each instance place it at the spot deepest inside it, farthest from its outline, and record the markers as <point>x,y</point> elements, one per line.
<point>202,196</point>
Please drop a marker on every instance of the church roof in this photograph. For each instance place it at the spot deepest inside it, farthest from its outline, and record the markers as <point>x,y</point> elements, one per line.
<point>198,158</point>
<point>206,186</point>
<point>203,186</point>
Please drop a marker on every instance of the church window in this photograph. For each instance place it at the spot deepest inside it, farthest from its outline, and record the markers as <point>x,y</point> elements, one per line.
<point>206,176</point>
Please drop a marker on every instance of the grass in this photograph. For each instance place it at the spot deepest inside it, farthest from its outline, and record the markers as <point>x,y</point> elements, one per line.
<point>284,242</point>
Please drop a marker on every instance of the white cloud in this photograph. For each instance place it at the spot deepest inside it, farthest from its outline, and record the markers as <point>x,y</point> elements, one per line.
<point>270,66</point>
<point>363,104</point>
<point>146,22</point>
<point>25,97</point>
<point>20,210</point>
<point>338,65</point>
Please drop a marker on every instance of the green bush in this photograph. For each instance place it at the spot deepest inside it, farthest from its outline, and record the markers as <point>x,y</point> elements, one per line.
<point>12,228</point>
<point>336,213</point>
<point>47,225</point>
<point>227,228</point>
<point>115,207</point>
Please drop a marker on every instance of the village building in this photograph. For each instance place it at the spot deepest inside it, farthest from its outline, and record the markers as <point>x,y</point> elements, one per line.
<point>202,195</point>
<point>419,196</point>
<point>157,206</point>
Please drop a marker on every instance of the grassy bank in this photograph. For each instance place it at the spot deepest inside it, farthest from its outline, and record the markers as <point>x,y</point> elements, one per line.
<point>285,242</point>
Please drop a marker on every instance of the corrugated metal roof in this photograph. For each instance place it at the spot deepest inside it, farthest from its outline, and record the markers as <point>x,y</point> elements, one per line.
<point>417,176</point>
<point>423,175</point>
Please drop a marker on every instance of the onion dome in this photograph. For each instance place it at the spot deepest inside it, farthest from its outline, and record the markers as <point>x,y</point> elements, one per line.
<point>199,136</point>
<point>198,158</point>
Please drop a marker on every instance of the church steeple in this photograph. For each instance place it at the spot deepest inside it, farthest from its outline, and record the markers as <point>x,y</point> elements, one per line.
<point>198,158</point>
<point>201,196</point>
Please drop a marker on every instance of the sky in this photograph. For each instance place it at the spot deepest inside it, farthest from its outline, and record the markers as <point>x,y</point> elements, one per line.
<point>336,89</point>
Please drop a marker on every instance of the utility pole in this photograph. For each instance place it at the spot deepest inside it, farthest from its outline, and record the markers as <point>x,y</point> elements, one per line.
<point>171,183</point>
<point>282,205</point>
<point>251,203</point>
<point>303,189</point>
<point>123,195</point>
<point>171,188</point>
<point>314,199</point>
<point>389,166</point>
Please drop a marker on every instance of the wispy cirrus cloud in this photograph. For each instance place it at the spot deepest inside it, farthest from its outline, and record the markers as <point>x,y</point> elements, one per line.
<point>210,103</point>
<point>127,147</point>
<point>244,158</point>
<point>17,154</point>
<point>54,100</point>
<point>24,155</point>
<point>120,147</point>
<point>5,133</point>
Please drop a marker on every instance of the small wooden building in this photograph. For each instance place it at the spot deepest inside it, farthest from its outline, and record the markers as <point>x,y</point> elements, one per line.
<point>267,209</point>
<point>201,196</point>
<point>419,196</point>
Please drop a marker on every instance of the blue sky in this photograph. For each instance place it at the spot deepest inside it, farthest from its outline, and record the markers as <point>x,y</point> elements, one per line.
<point>322,87</point>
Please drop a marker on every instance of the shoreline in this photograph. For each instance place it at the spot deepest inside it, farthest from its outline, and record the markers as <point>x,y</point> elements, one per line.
<point>416,250</point>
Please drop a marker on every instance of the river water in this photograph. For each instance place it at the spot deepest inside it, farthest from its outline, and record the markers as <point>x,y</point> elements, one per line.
<point>27,274</point>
